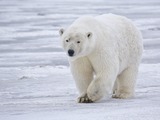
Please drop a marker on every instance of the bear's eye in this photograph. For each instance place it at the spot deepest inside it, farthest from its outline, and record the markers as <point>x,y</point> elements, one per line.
<point>67,40</point>
<point>78,41</point>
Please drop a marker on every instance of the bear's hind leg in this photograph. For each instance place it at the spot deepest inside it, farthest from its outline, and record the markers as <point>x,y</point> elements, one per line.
<point>126,83</point>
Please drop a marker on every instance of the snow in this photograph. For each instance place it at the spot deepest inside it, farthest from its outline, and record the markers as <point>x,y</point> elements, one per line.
<point>35,80</point>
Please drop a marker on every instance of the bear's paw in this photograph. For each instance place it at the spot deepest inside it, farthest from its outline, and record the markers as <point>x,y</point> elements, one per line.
<point>84,99</point>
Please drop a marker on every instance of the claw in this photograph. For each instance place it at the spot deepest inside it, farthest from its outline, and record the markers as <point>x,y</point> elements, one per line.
<point>84,99</point>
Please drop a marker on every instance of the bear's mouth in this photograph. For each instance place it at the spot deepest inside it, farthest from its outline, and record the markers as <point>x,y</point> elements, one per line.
<point>71,55</point>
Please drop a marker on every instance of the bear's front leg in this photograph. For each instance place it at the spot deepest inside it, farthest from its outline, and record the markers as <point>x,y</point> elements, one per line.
<point>82,72</point>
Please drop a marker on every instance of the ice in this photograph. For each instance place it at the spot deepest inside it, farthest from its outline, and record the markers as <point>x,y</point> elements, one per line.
<point>35,80</point>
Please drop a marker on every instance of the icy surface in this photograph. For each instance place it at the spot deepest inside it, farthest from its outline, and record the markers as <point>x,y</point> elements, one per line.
<point>35,81</point>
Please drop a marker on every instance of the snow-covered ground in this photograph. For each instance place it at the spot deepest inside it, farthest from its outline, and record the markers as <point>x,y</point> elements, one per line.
<point>35,81</point>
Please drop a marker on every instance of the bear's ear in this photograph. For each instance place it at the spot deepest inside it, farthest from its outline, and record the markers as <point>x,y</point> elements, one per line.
<point>89,35</point>
<point>61,31</point>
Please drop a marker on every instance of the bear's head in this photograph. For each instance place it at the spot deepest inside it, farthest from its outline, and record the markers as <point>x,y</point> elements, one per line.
<point>77,42</point>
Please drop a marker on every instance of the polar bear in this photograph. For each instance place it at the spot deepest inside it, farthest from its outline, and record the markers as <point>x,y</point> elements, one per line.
<point>104,54</point>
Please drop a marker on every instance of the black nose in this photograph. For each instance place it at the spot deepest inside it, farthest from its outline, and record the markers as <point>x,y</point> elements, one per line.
<point>70,52</point>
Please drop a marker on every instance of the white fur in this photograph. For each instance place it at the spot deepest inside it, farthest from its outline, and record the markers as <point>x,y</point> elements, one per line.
<point>106,60</point>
